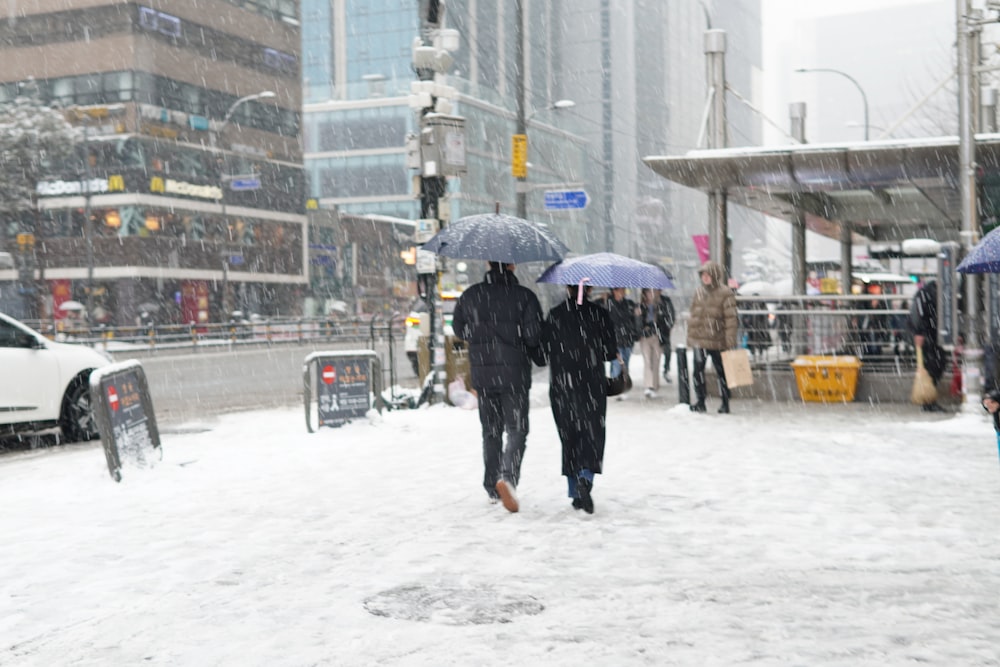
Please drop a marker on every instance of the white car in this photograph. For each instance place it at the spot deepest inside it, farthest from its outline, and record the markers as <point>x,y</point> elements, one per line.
<point>45,383</point>
<point>416,316</point>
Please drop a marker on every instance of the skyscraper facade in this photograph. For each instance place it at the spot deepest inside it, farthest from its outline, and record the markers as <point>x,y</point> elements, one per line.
<point>634,71</point>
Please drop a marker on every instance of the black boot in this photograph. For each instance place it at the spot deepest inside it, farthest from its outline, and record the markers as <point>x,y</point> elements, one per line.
<point>724,408</point>
<point>698,407</point>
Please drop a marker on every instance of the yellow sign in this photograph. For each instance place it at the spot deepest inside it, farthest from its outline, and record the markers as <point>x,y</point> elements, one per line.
<point>156,184</point>
<point>519,155</point>
<point>829,286</point>
<point>116,183</point>
<point>25,239</point>
<point>312,204</point>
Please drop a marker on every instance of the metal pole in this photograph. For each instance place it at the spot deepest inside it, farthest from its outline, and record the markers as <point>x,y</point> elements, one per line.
<point>88,224</point>
<point>988,123</point>
<point>715,50</point>
<point>213,138</point>
<point>432,189</point>
<point>225,255</point>
<point>797,113</point>
<point>521,95</point>
<point>972,354</point>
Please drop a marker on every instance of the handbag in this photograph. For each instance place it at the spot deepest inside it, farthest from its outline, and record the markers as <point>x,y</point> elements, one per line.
<point>621,384</point>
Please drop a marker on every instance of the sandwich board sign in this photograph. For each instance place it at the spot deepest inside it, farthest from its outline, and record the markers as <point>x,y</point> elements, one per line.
<point>123,409</point>
<point>338,386</point>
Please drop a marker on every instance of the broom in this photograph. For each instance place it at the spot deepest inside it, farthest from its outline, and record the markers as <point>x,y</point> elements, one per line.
<point>924,392</point>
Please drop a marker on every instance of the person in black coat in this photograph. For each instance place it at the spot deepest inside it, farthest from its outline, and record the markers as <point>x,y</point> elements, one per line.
<point>501,321</point>
<point>669,319</point>
<point>577,338</point>
<point>924,324</point>
<point>623,312</point>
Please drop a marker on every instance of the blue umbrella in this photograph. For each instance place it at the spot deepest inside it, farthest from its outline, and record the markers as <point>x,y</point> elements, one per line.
<point>497,238</point>
<point>984,257</point>
<point>606,269</point>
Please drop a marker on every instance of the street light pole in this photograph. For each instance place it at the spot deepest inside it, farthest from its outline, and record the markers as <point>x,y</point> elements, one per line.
<point>864,98</point>
<point>88,224</point>
<point>223,177</point>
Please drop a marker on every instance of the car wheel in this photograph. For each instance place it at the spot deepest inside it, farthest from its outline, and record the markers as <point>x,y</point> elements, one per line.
<point>77,417</point>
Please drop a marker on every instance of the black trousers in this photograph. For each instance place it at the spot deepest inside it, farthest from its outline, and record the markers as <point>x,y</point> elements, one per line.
<point>700,357</point>
<point>665,346</point>
<point>501,412</point>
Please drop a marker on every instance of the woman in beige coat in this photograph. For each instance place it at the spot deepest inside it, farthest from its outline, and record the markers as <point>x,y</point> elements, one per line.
<point>711,329</point>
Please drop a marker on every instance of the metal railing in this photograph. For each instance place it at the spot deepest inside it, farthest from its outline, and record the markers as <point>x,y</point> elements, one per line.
<point>243,332</point>
<point>873,328</point>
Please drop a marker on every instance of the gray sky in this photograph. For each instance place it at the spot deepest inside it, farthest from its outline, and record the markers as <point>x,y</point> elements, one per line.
<point>787,46</point>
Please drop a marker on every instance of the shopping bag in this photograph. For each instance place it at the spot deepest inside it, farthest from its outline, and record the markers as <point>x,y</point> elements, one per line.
<point>924,392</point>
<point>736,366</point>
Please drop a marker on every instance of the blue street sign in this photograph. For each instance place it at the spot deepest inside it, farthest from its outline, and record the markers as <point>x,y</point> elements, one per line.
<point>563,199</point>
<point>236,260</point>
<point>244,183</point>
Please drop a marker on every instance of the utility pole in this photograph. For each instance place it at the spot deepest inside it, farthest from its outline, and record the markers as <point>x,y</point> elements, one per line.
<point>431,97</point>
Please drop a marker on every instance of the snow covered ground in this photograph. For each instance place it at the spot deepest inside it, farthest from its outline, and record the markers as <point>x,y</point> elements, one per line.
<point>783,534</point>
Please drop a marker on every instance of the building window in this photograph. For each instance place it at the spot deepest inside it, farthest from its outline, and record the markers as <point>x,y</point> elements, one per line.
<point>160,22</point>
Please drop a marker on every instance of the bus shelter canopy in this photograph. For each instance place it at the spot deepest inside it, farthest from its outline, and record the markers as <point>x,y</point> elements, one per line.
<point>886,191</point>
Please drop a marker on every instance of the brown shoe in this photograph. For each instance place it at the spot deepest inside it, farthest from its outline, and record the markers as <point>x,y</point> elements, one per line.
<point>508,495</point>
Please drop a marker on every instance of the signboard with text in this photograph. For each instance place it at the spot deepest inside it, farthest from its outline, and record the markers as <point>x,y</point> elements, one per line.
<point>558,200</point>
<point>123,410</point>
<point>519,155</point>
<point>339,386</point>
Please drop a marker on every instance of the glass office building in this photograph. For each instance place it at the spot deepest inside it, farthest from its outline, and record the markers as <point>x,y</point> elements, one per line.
<point>635,72</point>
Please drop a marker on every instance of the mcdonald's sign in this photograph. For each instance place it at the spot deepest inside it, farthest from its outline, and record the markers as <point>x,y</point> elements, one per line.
<point>156,184</point>
<point>116,183</point>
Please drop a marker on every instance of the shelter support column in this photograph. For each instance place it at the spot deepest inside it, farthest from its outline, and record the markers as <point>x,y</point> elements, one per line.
<point>718,224</point>
<point>972,354</point>
<point>797,114</point>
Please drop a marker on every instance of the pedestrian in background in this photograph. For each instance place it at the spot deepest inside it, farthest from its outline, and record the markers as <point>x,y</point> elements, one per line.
<point>501,321</point>
<point>623,313</point>
<point>712,328</point>
<point>991,403</point>
<point>578,337</point>
<point>758,335</point>
<point>924,325</point>
<point>669,318</point>
<point>652,328</point>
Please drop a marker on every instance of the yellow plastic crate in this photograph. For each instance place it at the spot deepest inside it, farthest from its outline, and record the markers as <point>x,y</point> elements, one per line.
<point>824,379</point>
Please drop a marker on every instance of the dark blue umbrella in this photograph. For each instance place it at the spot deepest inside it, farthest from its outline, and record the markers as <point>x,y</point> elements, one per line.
<point>606,269</point>
<point>497,238</point>
<point>984,257</point>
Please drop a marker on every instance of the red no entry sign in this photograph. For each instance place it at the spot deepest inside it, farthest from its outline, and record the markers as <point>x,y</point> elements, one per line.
<point>113,398</point>
<point>329,374</point>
